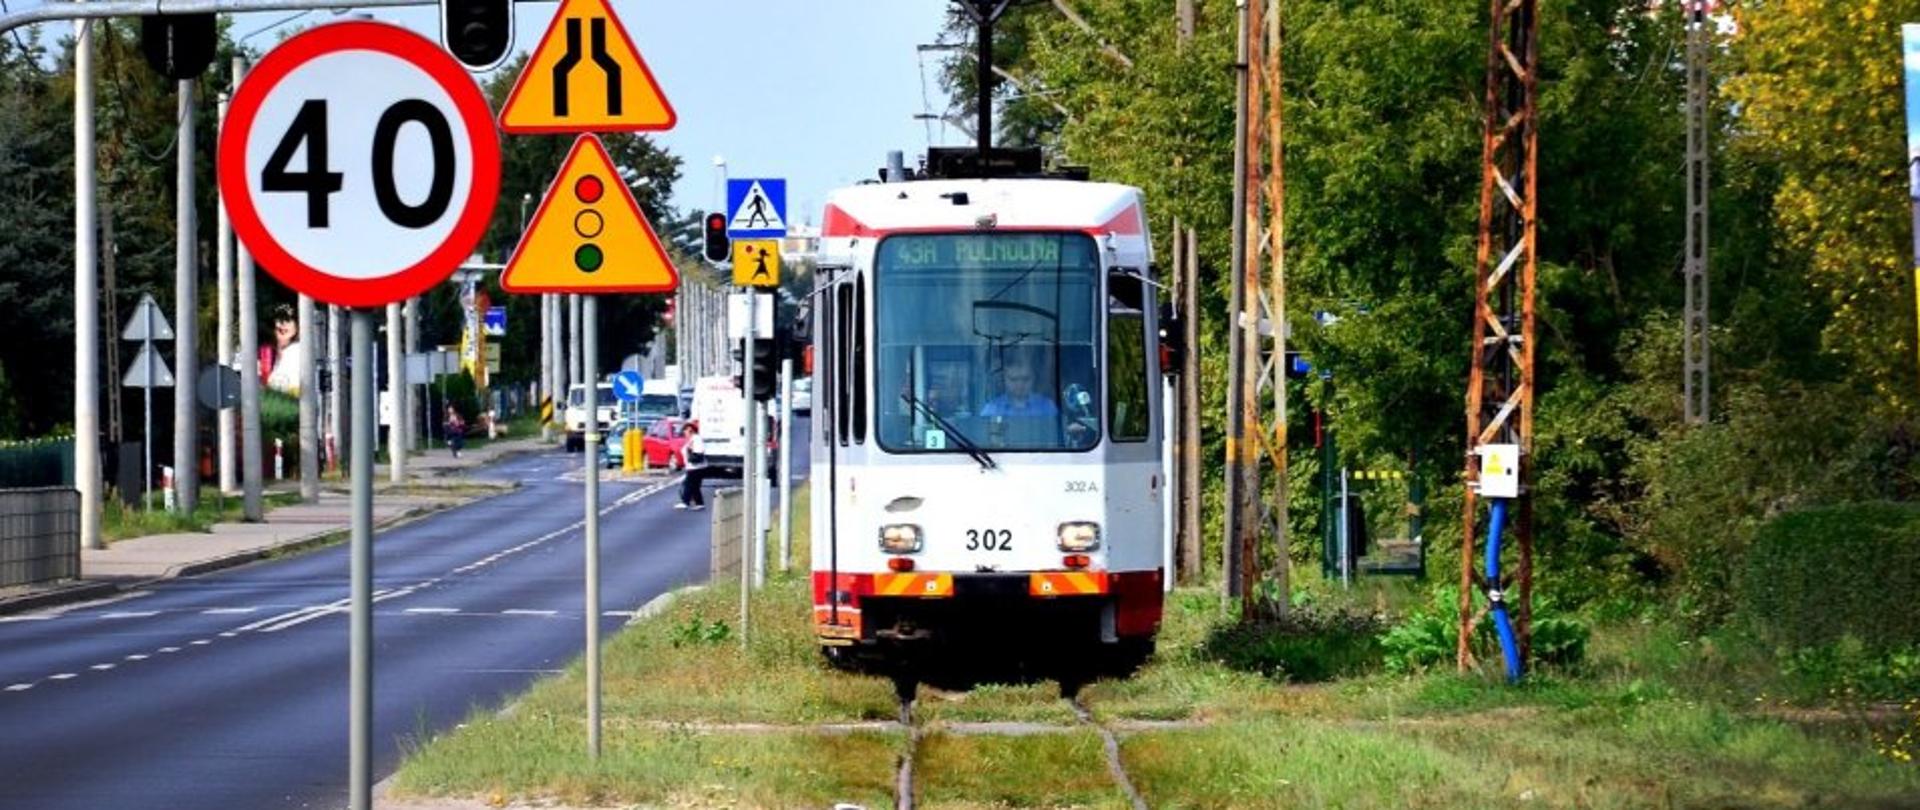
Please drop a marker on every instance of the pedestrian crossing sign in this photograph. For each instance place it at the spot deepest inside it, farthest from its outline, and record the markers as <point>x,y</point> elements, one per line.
<point>757,208</point>
<point>756,262</point>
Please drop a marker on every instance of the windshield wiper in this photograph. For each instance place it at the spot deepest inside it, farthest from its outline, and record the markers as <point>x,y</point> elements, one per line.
<point>979,455</point>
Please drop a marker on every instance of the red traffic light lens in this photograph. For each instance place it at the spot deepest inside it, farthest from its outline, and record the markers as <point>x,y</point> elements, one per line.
<point>716,222</point>
<point>588,189</point>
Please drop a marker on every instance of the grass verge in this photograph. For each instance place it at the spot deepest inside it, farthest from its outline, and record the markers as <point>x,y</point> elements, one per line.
<point>1627,729</point>
<point>122,522</point>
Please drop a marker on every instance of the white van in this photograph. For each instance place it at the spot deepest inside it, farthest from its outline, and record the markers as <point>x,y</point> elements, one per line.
<point>604,404</point>
<point>721,411</point>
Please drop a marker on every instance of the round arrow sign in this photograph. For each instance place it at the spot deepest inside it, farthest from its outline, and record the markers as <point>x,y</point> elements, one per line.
<point>359,163</point>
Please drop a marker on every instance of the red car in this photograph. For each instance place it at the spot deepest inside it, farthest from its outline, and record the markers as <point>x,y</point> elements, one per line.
<point>663,444</point>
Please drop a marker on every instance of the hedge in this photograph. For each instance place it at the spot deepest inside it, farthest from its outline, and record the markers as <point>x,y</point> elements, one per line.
<point>1814,577</point>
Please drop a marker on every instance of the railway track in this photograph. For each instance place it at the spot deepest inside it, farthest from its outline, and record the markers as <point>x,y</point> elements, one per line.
<point>916,733</point>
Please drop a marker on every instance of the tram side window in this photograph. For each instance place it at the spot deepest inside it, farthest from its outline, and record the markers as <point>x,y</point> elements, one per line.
<point>860,360</point>
<point>1127,371</point>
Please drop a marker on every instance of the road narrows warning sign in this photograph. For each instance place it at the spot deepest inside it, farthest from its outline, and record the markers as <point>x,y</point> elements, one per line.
<point>586,76</point>
<point>589,235</point>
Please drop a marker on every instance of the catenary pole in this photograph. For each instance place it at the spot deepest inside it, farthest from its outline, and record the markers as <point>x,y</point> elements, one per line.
<point>252,509</point>
<point>396,397</point>
<point>86,297</point>
<point>336,418</point>
<point>309,404</point>
<point>225,442</point>
<point>186,316</point>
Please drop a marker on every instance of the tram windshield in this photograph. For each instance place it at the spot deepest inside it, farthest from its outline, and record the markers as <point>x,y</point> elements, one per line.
<point>993,333</point>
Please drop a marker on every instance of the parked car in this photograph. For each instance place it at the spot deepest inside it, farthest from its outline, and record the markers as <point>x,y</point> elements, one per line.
<point>664,445</point>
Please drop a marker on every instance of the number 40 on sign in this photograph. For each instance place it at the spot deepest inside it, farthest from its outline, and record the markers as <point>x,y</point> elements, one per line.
<point>359,163</point>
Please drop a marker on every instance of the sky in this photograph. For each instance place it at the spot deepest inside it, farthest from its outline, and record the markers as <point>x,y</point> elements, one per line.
<point>815,91</point>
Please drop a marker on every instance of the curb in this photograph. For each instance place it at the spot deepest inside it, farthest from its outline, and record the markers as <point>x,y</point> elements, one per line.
<point>81,591</point>
<point>86,590</point>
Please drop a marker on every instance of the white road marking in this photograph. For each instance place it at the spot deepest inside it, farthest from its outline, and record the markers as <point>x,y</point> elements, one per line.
<point>33,617</point>
<point>433,610</point>
<point>169,649</point>
<point>624,614</point>
<point>137,657</point>
<point>199,642</point>
<point>521,612</point>
<point>101,667</point>
<point>130,614</point>
<point>20,687</point>
<point>227,611</point>
<point>61,677</point>
<point>333,608</point>
<point>228,634</point>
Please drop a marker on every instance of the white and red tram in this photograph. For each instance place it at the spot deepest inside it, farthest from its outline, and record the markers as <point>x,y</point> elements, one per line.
<point>986,436</point>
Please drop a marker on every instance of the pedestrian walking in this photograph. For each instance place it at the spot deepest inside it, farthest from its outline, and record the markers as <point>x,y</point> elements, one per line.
<point>695,454</point>
<point>456,429</point>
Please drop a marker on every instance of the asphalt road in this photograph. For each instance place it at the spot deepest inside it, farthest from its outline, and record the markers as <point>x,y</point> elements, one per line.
<point>230,690</point>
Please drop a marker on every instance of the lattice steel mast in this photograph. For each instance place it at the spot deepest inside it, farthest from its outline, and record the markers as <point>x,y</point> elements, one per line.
<point>1500,384</point>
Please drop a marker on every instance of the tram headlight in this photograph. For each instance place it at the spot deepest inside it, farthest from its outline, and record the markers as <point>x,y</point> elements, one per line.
<point>1079,535</point>
<point>900,538</point>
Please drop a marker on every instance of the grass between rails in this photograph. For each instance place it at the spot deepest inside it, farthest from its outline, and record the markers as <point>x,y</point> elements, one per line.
<point>1637,726</point>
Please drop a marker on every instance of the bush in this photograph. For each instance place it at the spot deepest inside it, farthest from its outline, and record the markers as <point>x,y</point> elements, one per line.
<point>1815,577</point>
<point>1311,644</point>
<point>1431,637</point>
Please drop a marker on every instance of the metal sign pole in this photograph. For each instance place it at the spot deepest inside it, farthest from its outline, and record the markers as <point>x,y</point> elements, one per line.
<point>750,508</point>
<point>590,371</point>
<point>786,464</point>
<point>360,646</point>
<point>146,441</point>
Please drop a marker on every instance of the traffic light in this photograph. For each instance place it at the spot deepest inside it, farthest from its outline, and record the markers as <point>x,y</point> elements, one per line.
<point>718,247</point>
<point>479,33</point>
<point>766,368</point>
<point>178,46</point>
<point>588,224</point>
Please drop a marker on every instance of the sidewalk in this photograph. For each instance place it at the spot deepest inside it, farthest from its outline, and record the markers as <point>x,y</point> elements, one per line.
<point>435,481</point>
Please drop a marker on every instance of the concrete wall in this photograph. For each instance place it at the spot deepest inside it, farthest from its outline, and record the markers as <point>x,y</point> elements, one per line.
<point>40,536</point>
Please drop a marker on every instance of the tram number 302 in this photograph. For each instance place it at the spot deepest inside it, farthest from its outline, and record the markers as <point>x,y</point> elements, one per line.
<point>989,540</point>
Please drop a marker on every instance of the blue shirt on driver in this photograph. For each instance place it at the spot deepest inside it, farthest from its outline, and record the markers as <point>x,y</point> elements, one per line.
<point>1032,405</point>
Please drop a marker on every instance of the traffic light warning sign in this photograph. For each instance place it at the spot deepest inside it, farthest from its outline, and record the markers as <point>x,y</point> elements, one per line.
<point>586,76</point>
<point>589,235</point>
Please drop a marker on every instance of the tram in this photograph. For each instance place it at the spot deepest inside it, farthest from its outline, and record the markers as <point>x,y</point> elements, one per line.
<point>988,481</point>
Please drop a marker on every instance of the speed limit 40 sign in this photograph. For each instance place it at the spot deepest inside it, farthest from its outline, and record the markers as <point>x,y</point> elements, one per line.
<point>359,163</point>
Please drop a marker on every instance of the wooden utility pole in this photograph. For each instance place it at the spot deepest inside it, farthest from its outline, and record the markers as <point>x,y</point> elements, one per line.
<point>1190,498</point>
<point>1500,383</point>
<point>1258,337</point>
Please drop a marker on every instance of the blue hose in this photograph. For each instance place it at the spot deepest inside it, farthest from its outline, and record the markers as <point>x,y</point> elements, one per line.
<point>1502,625</point>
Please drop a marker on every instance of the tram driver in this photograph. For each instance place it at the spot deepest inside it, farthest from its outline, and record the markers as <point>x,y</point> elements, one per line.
<point>1021,417</point>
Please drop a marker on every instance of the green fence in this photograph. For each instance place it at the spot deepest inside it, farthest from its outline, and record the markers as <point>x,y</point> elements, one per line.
<point>37,463</point>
